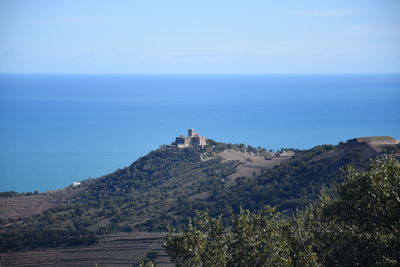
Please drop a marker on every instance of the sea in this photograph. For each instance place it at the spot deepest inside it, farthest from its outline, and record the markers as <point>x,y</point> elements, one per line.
<point>57,129</point>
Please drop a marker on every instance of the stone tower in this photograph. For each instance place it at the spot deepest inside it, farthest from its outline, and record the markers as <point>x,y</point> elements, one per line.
<point>192,140</point>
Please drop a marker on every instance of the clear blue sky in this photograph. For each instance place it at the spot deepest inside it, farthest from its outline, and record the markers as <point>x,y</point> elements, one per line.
<point>224,36</point>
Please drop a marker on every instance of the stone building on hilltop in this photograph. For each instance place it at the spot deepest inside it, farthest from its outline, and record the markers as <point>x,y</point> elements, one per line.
<point>192,140</point>
<point>375,140</point>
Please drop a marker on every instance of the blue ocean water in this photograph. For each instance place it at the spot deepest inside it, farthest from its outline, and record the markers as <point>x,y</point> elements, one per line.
<point>56,129</point>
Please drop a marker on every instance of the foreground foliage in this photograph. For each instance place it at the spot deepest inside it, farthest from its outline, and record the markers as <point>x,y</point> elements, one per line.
<point>356,224</point>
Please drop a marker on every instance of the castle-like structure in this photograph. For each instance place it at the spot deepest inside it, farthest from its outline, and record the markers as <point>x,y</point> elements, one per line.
<point>192,140</point>
<point>375,140</point>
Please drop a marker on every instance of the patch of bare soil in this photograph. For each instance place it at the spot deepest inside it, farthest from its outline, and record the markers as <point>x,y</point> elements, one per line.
<point>252,164</point>
<point>122,249</point>
<point>24,206</point>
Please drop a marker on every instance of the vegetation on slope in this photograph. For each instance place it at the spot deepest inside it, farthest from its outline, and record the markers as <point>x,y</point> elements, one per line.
<point>358,224</point>
<point>168,185</point>
<point>296,182</point>
<point>144,196</point>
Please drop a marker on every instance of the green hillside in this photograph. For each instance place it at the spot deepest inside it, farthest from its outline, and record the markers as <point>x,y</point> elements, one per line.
<point>168,185</point>
<point>356,223</point>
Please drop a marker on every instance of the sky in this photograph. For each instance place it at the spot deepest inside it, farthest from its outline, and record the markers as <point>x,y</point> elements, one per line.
<point>199,37</point>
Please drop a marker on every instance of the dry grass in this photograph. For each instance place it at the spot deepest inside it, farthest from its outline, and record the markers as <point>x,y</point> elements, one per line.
<point>251,164</point>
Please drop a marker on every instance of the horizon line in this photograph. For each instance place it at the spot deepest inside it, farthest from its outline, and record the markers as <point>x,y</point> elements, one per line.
<point>188,74</point>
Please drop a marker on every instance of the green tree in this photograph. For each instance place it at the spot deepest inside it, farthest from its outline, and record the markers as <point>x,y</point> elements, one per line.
<point>356,224</point>
<point>259,240</point>
<point>359,225</point>
<point>254,240</point>
<point>197,246</point>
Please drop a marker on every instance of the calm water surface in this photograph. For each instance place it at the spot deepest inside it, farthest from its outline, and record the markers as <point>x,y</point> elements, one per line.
<point>56,129</point>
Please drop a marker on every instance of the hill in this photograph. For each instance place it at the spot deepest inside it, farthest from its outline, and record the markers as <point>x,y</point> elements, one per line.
<point>169,184</point>
<point>14,205</point>
<point>356,223</point>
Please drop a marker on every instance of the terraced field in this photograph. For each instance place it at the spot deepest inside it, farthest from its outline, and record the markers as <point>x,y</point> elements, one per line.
<point>122,249</point>
<point>24,206</point>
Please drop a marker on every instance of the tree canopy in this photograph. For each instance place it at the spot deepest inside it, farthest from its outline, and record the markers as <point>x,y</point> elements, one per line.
<point>355,224</point>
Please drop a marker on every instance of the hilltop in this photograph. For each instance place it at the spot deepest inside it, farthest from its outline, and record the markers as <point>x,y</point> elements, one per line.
<point>168,185</point>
